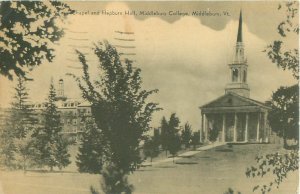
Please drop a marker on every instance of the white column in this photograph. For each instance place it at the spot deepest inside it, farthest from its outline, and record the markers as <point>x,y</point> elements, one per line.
<point>205,126</point>
<point>246,127</point>
<point>201,130</point>
<point>235,125</point>
<point>266,132</point>
<point>223,127</point>
<point>257,128</point>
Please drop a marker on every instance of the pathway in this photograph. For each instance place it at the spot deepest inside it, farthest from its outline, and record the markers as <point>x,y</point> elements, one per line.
<point>186,154</point>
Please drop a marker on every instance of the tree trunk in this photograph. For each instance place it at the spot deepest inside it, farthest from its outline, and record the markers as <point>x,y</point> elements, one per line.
<point>285,145</point>
<point>24,165</point>
<point>151,161</point>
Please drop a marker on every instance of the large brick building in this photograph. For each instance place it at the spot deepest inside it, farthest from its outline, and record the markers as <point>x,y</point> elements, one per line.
<point>72,112</point>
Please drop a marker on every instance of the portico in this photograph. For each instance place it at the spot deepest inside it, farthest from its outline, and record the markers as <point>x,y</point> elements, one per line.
<point>236,118</point>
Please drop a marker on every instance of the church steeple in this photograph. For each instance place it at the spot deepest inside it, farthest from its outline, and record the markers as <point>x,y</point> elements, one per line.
<point>239,48</point>
<point>239,35</point>
<point>238,68</point>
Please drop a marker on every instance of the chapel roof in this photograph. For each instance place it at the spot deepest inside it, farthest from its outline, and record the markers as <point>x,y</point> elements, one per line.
<point>234,100</point>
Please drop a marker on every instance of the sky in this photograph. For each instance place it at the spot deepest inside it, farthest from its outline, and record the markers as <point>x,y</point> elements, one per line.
<point>186,58</point>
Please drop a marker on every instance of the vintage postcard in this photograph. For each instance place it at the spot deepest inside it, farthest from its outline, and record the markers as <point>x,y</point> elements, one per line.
<point>181,97</point>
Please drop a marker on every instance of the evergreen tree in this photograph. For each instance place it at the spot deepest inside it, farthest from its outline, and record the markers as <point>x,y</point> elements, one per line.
<point>91,151</point>
<point>25,151</point>
<point>157,135</point>
<point>174,124</point>
<point>195,139</point>
<point>169,132</point>
<point>165,134</point>
<point>62,155</point>
<point>7,148</point>
<point>51,145</point>
<point>151,148</point>
<point>174,143</point>
<point>114,181</point>
<point>19,122</point>
<point>186,135</point>
<point>21,118</point>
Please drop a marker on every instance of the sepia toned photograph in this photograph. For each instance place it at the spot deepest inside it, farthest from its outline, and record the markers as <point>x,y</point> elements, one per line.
<point>149,97</point>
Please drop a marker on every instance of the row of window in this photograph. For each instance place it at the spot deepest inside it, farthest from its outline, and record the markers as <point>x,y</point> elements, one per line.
<point>66,104</point>
<point>69,121</point>
<point>72,104</point>
<point>42,105</point>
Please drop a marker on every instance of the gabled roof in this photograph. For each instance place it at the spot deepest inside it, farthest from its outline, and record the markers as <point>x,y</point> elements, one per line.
<point>85,104</point>
<point>234,100</point>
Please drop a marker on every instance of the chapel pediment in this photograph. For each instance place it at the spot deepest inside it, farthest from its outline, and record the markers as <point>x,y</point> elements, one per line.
<point>231,100</point>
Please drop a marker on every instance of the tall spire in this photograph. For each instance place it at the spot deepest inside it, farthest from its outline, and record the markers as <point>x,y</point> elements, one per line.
<point>238,68</point>
<point>239,35</point>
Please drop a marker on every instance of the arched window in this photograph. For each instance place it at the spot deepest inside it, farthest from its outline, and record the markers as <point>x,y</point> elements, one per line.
<point>245,76</point>
<point>235,75</point>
